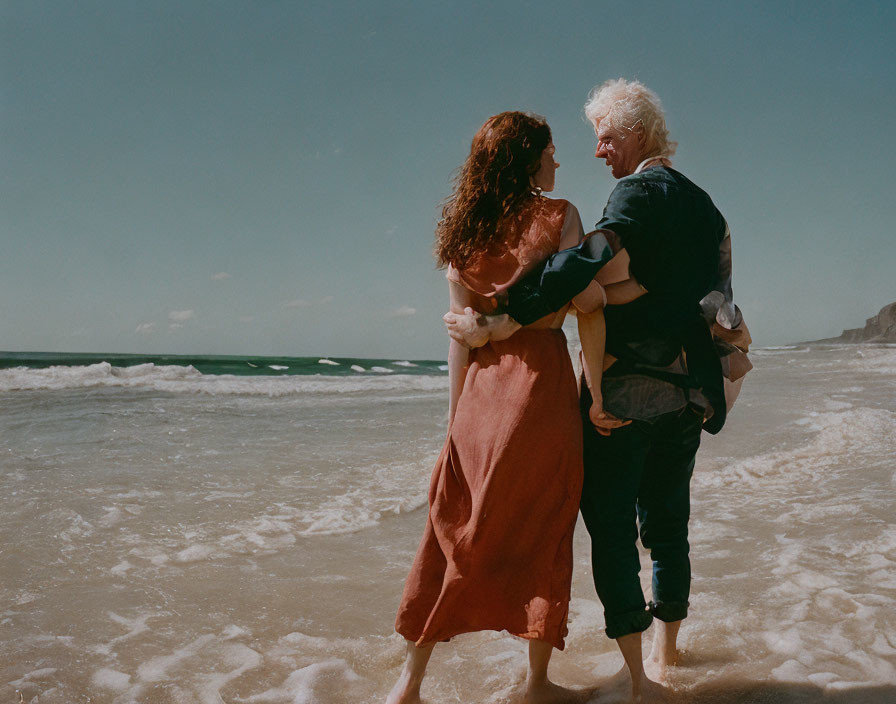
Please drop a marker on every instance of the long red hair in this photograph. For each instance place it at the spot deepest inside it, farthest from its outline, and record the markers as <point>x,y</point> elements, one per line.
<point>493,183</point>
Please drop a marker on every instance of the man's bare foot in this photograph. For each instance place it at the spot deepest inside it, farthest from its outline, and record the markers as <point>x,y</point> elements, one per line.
<point>657,668</point>
<point>664,651</point>
<point>648,692</point>
<point>546,692</point>
<point>620,682</point>
<point>405,691</point>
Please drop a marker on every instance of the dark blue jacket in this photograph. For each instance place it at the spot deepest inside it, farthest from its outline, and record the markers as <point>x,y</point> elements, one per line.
<point>672,231</point>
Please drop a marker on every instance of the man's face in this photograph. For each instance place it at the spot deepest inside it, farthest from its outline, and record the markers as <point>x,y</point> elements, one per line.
<point>621,149</point>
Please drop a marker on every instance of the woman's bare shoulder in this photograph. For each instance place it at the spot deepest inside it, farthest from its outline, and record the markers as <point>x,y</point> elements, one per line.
<point>556,205</point>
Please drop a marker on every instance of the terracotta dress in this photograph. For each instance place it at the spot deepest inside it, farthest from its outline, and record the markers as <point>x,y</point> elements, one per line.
<point>496,553</point>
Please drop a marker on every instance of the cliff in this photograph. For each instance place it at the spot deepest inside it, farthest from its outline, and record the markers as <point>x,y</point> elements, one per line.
<point>880,328</point>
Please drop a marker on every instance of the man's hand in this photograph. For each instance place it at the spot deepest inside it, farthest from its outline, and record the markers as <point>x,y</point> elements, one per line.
<point>472,329</point>
<point>469,328</point>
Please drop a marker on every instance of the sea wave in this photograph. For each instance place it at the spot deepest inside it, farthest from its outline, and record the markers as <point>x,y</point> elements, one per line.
<point>187,379</point>
<point>876,360</point>
<point>839,440</point>
<point>779,350</point>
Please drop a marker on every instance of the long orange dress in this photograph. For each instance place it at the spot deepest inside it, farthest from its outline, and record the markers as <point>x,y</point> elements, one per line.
<point>496,553</point>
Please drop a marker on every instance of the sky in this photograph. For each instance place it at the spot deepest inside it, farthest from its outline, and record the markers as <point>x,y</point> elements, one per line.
<point>265,177</point>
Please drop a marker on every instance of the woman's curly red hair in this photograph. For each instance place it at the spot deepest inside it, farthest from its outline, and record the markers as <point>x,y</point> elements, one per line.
<point>492,184</point>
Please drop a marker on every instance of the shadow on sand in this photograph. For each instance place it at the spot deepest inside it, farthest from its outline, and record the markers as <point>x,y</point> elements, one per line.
<point>746,692</point>
<point>740,691</point>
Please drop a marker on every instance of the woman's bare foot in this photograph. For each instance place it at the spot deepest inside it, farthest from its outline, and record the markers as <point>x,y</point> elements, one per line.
<point>546,692</point>
<point>405,691</point>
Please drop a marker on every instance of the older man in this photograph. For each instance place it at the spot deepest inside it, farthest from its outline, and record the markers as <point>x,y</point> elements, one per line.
<point>664,379</point>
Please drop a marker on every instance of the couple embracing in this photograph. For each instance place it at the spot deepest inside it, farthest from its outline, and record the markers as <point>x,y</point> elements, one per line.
<point>528,445</point>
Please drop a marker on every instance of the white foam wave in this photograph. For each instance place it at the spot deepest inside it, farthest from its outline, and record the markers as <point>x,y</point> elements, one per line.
<point>404,363</point>
<point>386,490</point>
<point>380,492</point>
<point>880,360</point>
<point>34,675</point>
<point>187,379</point>
<point>309,684</point>
<point>840,438</point>
<point>236,658</point>
<point>277,367</point>
<point>783,349</point>
<point>107,678</point>
<point>328,361</point>
<point>100,374</point>
<point>356,510</point>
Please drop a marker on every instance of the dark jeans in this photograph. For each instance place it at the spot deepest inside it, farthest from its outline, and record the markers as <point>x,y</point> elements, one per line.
<point>640,476</point>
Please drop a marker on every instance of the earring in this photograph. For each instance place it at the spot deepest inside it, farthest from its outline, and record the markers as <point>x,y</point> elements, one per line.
<point>533,189</point>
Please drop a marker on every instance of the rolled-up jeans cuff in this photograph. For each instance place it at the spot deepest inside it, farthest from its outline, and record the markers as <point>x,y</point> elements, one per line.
<point>669,611</point>
<point>619,625</point>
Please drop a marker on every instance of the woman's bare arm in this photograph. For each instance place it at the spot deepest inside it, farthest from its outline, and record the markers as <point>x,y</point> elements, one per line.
<point>593,337</point>
<point>624,292</point>
<point>458,357</point>
<point>572,235</point>
<point>590,300</point>
<point>589,305</point>
<point>458,354</point>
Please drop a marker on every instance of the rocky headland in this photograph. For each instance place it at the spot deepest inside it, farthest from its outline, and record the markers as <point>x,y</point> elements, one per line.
<point>880,328</point>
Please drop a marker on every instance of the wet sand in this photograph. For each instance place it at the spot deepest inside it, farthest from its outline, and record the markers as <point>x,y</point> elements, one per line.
<point>167,546</point>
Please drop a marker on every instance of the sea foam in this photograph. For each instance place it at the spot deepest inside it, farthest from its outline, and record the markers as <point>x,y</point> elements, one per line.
<point>839,438</point>
<point>187,379</point>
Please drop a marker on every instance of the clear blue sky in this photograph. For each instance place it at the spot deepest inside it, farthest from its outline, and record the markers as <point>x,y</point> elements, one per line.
<point>264,177</point>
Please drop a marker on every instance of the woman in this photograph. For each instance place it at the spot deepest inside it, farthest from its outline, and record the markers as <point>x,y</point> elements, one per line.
<point>496,553</point>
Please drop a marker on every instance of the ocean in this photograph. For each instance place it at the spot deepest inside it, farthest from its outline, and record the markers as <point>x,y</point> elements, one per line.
<point>238,529</point>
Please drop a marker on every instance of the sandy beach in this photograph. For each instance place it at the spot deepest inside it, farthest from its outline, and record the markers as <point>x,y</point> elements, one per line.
<point>194,538</point>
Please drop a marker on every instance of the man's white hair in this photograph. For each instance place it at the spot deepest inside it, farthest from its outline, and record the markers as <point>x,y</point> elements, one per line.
<point>626,104</point>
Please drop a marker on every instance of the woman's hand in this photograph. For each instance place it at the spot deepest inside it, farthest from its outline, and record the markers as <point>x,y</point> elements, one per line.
<point>596,412</point>
<point>604,421</point>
